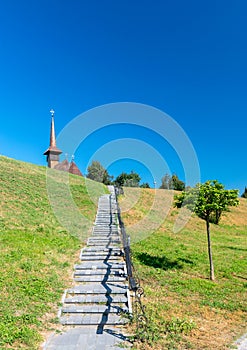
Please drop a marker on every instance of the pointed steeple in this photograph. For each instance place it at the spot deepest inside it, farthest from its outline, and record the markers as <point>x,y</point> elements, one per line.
<point>52,152</point>
<point>52,131</point>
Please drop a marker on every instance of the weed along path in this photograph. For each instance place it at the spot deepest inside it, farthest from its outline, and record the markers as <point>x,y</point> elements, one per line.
<point>94,309</point>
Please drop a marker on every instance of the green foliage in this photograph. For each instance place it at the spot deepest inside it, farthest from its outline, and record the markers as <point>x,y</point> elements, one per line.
<point>176,184</point>
<point>129,180</point>
<point>145,185</point>
<point>98,173</point>
<point>208,200</point>
<point>244,195</point>
<point>177,326</point>
<point>172,183</point>
<point>146,329</point>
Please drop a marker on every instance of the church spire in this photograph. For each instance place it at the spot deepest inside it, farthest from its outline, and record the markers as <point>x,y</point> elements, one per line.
<point>52,131</point>
<point>52,152</point>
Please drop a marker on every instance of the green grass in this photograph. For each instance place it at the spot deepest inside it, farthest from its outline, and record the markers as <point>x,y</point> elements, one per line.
<point>37,252</point>
<point>174,272</point>
<point>38,249</point>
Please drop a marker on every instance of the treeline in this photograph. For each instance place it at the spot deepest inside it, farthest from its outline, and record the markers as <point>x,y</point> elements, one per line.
<point>97,172</point>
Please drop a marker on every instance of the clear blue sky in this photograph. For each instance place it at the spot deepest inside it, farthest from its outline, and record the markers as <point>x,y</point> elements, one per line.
<point>186,58</point>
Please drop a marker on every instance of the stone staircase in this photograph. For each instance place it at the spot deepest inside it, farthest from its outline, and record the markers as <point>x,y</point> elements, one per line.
<point>100,295</point>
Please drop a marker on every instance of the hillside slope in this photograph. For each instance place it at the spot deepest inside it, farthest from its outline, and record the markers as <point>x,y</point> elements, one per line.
<point>36,251</point>
<point>186,309</point>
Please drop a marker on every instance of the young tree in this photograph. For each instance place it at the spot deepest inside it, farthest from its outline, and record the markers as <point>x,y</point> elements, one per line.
<point>208,201</point>
<point>98,173</point>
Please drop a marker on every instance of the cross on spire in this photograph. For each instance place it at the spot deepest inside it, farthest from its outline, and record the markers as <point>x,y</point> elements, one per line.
<point>52,152</point>
<point>52,112</point>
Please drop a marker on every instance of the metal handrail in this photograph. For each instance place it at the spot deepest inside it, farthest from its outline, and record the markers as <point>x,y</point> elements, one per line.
<point>134,282</point>
<point>126,245</point>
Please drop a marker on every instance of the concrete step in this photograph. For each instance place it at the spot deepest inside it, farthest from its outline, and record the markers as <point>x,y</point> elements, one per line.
<point>118,253</point>
<point>104,244</point>
<point>93,319</point>
<point>99,278</point>
<point>103,241</point>
<point>102,249</point>
<point>102,224</point>
<point>100,258</point>
<point>98,265</point>
<point>100,272</point>
<point>99,298</point>
<point>101,231</point>
<point>96,288</point>
<point>103,258</point>
<point>94,309</point>
<point>105,236</point>
<point>112,228</point>
<point>108,238</point>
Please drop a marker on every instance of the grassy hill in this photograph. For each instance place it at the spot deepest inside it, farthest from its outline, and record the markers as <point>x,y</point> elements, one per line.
<point>186,309</point>
<point>36,252</point>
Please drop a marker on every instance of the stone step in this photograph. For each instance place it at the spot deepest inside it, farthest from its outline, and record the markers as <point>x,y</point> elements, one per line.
<point>103,229</point>
<point>105,244</point>
<point>98,298</point>
<point>94,309</point>
<point>96,288</point>
<point>99,278</point>
<point>97,265</point>
<point>107,212</point>
<point>96,256</point>
<point>103,249</point>
<point>102,258</point>
<point>100,253</point>
<point>105,235</point>
<point>93,319</point>
<point>106,228</point>
<point>100,272</point>
<point>106,218</point>
<point>102,224</point>
<point>104,238</point>
<point>103,241</point>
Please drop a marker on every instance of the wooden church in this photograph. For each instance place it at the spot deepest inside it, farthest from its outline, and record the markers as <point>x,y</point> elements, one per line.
<point>52,154</point>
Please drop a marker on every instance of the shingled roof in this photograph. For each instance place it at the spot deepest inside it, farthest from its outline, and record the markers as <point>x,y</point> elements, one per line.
<point>73,169</point>
<point>63,166</point>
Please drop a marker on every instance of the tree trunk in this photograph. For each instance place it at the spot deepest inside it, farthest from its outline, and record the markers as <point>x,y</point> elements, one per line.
<point>210,250</point>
